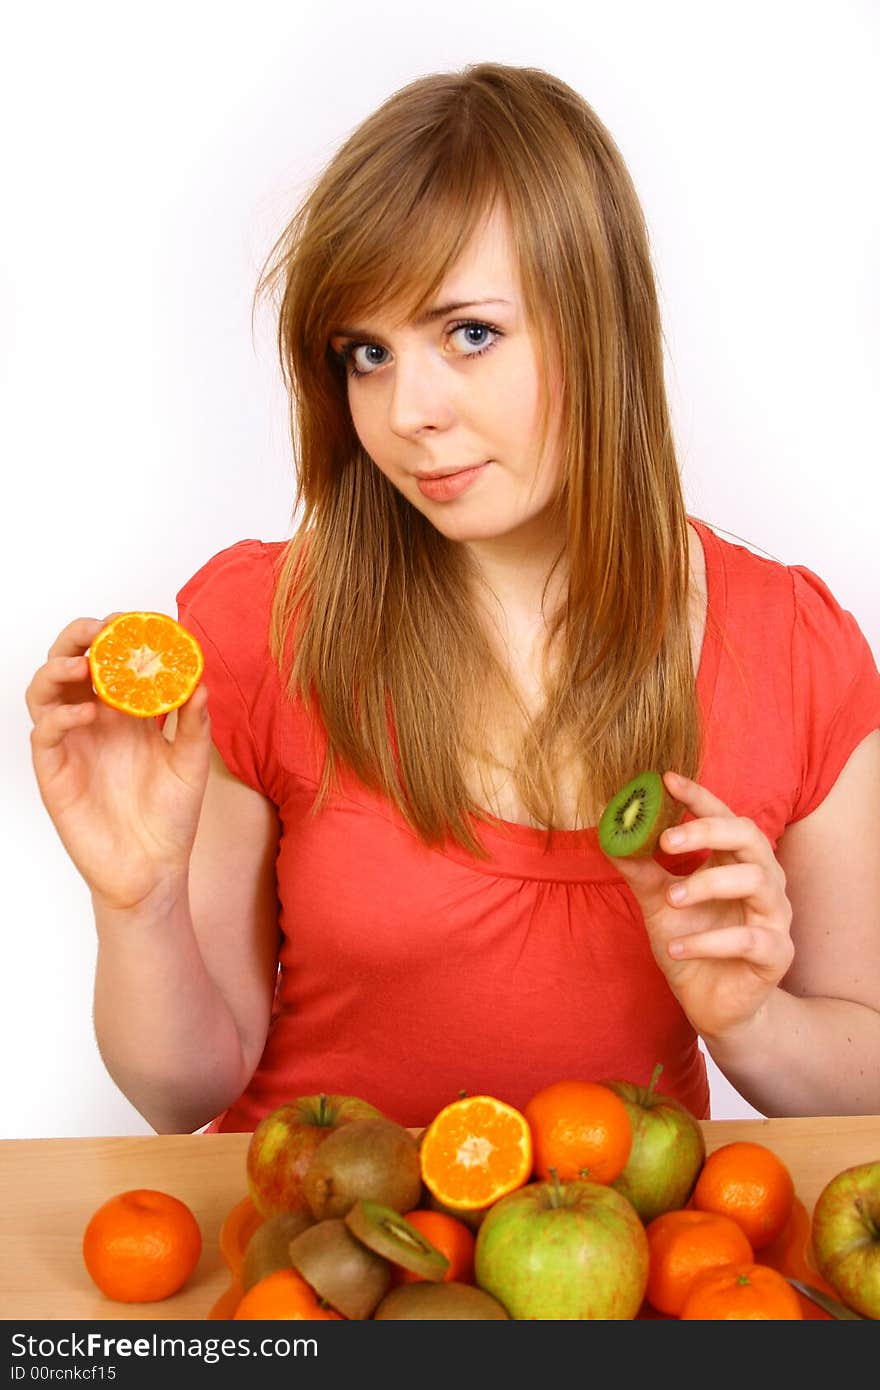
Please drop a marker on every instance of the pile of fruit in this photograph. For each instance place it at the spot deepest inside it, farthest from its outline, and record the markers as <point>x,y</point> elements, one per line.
<point>595,1201</point>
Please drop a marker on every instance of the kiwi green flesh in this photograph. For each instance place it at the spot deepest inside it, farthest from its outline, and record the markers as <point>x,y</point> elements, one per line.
<point>268,1248</point>
<point>340,1268</point>
<point>634,817</point>
<point>388,1233</point>
<point>451,1300</point>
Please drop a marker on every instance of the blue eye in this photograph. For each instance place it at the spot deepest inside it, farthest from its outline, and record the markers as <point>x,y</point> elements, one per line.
<point>475,328</point>
<point>349,351</point>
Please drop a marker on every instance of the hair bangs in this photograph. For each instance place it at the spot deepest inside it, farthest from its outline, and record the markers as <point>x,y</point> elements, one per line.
<point>393,260</point>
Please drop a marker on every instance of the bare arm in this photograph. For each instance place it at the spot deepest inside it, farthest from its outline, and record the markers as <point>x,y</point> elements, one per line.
<point>179,858</point>
<point>815,1046</point>
<point>183,989</point>
<point>775,958</point>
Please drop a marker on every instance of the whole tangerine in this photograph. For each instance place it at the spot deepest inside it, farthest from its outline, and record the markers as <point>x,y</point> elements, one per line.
<point>683,1243</point>
<point>141,1245</point>
<point>580,1129</point>
<point>749,1183</point>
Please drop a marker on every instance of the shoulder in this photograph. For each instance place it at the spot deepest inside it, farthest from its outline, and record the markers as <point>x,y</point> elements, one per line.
<point>797,679</point>
<point>227,605</point>
<point>741,570</point>
<point>228,600</point>
<point>246,568</point>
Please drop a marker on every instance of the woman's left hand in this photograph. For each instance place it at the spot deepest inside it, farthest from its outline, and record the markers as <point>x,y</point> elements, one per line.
<point>721,935</point>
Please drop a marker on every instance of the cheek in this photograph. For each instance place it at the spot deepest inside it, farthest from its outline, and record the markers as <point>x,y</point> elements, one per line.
<point>367,426</point>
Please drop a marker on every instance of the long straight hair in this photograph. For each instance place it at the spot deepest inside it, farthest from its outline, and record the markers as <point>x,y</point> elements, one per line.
<point>373,620</point>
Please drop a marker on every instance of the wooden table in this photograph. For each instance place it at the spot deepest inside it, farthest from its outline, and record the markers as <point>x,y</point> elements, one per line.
<point>50,1187</point>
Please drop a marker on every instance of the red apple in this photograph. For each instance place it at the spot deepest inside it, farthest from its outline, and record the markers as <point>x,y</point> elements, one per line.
<point>845,1233</point>
<point>284,1141</point>
<point>668,1149</point>
<point>573,1250</point>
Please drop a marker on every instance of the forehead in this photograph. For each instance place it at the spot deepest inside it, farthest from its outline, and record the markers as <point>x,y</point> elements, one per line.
<point>487,257</point>
<point>485,269</point>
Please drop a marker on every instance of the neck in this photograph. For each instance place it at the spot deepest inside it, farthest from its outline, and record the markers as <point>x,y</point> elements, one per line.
<point>512,571</point>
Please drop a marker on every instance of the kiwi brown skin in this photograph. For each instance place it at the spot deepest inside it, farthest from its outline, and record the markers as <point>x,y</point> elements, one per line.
<point>437,1302</point>
<point>341,1269</point>
<point>373,1159</point>
<point>267,1250</point>
<point>646,800</point>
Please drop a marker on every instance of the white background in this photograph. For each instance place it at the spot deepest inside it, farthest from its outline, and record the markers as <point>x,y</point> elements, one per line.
<point>151,156</point>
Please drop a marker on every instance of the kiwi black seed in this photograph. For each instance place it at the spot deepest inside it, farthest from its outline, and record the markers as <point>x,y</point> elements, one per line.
<point>388,1233</point>
<point>634,817</point>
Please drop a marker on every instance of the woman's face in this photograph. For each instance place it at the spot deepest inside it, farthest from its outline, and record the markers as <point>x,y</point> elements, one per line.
<point>449,408</point>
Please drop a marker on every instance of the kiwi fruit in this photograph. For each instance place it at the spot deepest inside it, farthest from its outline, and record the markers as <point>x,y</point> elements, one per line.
<point>635,817</point>
<point>267,1249</point>
<point>340,1268</point>
<point>440,1301</point>
<point>390,1234</point>
<point>374,1159</point>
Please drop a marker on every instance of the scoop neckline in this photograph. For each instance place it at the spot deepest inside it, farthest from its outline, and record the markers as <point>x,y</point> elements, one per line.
<point>521,851</point>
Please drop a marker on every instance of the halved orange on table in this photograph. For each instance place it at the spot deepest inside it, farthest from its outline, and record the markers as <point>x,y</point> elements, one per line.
<point>474,1151</point>
<point>145,664</point>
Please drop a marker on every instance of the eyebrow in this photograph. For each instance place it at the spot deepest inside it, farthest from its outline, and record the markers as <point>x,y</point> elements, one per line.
<point>438,312</point>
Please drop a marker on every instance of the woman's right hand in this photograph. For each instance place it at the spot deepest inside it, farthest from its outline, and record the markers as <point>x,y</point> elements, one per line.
<point>124,800</point>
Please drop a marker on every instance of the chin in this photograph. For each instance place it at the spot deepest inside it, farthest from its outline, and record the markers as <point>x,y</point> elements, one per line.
<point>467,529</point>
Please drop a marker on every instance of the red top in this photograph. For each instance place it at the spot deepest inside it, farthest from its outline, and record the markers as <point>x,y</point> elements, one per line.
<point>408,974</point>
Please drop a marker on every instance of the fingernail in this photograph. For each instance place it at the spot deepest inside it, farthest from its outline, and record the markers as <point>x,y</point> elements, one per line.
<point>677,893</point>
<point>673,838</point>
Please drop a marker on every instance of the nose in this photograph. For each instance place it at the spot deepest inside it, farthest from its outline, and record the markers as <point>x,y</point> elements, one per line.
<point>421,397</point>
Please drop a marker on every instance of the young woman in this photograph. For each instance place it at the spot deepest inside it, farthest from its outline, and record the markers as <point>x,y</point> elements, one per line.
<point>364,857</point>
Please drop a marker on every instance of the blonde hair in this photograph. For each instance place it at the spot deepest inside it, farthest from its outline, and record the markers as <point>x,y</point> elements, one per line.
<point>373,606</point>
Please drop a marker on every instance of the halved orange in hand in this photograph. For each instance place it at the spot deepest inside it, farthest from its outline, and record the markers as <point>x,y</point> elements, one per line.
<point>474,1151</point>
<point>145,664</point>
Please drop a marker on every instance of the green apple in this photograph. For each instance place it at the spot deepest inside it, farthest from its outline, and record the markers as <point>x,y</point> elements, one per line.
<point>573,1250</point>
<point>845,1233</point>
<point>284,1142</point>
<point>668,1149</point>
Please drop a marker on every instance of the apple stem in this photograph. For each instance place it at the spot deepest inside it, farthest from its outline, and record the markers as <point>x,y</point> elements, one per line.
<point>556,1189</point>
<point>655,1077</point>
<point>322,1109</point>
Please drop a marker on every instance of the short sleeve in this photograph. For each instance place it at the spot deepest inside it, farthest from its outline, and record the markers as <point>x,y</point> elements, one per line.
<point>835,687</point>
<point>227,605</point>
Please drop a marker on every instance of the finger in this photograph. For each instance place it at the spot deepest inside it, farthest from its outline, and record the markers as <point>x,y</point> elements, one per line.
<point>77,637</point>
<point>748,883</point>
<point>696,798</point>
<point>770,951</point>
<point>50,729</point>
<point>646,879</point>
<point>734,834</point>
<point>190,749</point>
<point>54,681</point>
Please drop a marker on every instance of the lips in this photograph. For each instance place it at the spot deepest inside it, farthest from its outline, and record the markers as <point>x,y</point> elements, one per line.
<point>446,472</point>
<point>442,487</point>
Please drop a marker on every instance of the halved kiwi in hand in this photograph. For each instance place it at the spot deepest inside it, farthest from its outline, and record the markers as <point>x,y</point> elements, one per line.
<point>385,1231</point>
<point>635,817</point>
